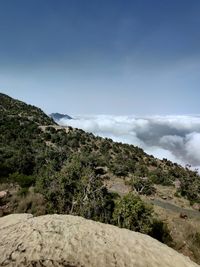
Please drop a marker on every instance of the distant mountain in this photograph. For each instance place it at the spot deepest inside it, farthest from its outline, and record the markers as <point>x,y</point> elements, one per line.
<point>58,116</point>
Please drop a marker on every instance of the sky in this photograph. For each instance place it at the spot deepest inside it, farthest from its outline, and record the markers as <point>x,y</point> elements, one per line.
<point>102,57</point>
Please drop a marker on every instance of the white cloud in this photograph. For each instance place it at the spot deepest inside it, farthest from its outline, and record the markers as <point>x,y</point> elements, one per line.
<point>176,138</point>
<point>183,123</point>
<point>161,153</point>
<point>171,140</point>
<point>192,147</point>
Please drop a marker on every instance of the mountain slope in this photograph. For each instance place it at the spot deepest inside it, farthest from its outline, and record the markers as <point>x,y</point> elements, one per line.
<point>14,108</point>
<point>46,168</point>
<point>29,134</point>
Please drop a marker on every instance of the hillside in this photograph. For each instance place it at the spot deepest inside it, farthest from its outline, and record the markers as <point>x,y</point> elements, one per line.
<point>46,168</point>
<point>12,108</point>
<point>64,240</point>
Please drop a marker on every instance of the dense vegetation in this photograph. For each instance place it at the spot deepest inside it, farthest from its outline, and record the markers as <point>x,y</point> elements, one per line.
<point>63,170</point>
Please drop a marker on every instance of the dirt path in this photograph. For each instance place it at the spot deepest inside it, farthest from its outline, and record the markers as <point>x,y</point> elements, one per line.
<point>174,208</point>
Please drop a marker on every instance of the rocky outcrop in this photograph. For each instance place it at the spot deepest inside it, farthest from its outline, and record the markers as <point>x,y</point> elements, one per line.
<point>70,241</point>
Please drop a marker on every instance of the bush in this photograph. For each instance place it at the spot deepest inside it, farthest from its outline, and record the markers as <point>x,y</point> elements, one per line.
<point>143,186</point>
<point>24,181</point>
<point>33,203</point>
<point>119,169</point>
<point>161,232</point>
<point>158,176</point>
<point>23,192</point>
<point>132,213</point>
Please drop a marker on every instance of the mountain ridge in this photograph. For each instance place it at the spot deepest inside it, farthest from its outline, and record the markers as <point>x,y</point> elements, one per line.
<point>17,108</point>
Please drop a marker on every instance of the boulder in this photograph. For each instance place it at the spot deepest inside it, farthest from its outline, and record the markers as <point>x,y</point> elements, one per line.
<point>3,194</point>
<point>183,215</point>
<point>72,241</point>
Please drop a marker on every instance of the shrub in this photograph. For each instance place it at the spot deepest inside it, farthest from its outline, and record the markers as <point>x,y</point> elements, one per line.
<point>132,213</point>
<point>23,180</point>
<point>161,232</point>
<point>33,203</point>
<point>143,186</point>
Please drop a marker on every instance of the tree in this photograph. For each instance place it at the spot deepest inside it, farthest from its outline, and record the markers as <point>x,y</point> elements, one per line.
<point>143,186</point>
<point>76,189</point>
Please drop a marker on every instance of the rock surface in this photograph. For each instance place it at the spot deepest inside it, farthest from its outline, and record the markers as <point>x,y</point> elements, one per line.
<point>3,194</point>
<point>70,241</point>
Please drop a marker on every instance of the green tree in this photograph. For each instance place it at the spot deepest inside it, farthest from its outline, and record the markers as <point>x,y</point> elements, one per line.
<point>143,186</point>
<point>132,213</point>
<point>76,189</point>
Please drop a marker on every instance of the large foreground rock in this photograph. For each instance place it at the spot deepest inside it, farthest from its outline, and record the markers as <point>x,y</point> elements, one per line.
<point>63,240</point>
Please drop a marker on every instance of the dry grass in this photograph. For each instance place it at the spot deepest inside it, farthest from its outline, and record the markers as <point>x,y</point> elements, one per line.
<point>33,203</point>
<point>169,193</point>
<point>183,231</point>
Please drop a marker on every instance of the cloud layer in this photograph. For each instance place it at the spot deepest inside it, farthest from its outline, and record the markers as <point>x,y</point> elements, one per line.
<point>176,138</point>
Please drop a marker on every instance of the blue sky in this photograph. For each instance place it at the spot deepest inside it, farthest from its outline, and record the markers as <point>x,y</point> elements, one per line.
<point>102,57</point>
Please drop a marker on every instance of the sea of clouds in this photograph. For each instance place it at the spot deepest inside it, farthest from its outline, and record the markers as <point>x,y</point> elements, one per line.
<point>176,138</point>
